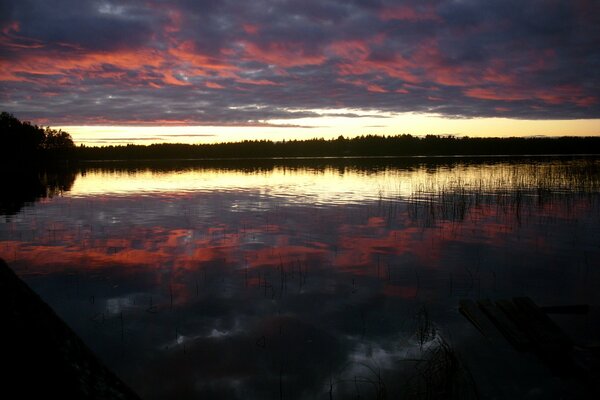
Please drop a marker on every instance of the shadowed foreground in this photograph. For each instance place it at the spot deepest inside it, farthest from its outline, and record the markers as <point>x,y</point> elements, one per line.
<point>42,356</point>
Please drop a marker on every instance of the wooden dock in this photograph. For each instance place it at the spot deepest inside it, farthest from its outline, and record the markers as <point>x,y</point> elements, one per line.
<point>528,329</point>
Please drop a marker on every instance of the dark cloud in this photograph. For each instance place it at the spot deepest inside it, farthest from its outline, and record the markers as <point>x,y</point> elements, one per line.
<point>226,62</point>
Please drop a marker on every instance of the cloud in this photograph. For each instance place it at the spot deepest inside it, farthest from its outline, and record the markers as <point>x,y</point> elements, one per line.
<point>88,62</point>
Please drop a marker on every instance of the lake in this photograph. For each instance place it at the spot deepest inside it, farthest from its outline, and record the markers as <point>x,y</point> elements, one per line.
<point>307,278</point>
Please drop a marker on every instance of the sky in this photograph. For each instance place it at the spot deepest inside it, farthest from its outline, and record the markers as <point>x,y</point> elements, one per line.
<point>207,70</point>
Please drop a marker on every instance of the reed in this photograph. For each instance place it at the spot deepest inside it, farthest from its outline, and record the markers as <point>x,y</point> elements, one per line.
<point>440,374</point>
<point>452,193</point>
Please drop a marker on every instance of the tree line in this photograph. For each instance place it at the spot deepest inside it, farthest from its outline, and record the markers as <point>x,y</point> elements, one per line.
<point>370,145</point>
<point>30,143</point>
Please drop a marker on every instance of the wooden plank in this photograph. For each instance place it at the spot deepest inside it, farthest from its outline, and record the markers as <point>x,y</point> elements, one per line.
<point>469,310</point>
<point>578,309</point>
<point>510,331</point>
<point>541,322</point>
<point>546,343</point>
<point>549,342</point>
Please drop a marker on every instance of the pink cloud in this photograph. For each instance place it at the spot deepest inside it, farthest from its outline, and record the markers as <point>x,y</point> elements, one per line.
<point>408,13</point>
<point>214,85</point>
<point>557,95</point>
<point>263,82</point>
<point>495,94</point>
<point>250,29</point>
<point>282,54</point>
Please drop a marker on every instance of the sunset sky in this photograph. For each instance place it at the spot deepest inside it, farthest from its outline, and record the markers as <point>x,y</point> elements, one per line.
<point>205,71</point>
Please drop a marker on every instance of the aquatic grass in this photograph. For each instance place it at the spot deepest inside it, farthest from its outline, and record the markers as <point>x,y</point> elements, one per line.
<point>425,330</point>
<point>435,371</point>
<point>368,383</point>
<point>440,374</point>
<point>510,188</point>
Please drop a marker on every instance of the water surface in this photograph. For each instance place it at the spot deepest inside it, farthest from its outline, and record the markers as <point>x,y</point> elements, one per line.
<point>297,279</point>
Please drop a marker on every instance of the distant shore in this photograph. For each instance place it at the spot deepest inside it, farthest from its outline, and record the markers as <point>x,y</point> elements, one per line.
<point>363,146</point>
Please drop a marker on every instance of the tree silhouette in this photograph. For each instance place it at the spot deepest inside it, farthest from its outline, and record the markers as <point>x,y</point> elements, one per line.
<point>362,146</point>
<point>24,142</point>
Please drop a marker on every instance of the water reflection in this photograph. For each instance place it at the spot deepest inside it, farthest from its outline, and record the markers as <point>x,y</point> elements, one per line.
<point>232,283</point>
<point>23,185</point>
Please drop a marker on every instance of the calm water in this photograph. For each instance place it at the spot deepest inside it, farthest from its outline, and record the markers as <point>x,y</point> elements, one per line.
<point>328,279</point>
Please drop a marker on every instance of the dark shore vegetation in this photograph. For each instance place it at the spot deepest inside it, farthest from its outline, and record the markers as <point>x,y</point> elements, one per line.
<point>30,145</point>
<point>36,163</point>
<point>362,146</point>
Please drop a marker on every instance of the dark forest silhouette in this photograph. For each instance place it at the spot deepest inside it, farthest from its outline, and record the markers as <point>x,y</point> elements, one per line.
<point>31,144</point>
<point>23,141</point>
<point>401,145</point>
<point>33,163</point>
